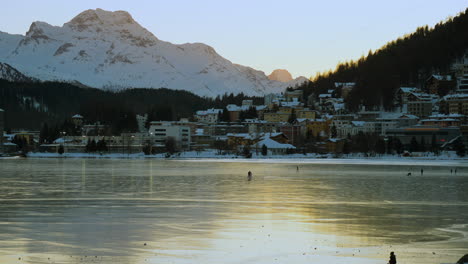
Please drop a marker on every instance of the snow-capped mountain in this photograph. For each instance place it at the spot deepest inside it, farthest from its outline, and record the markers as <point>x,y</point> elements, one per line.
<point>110,50</point>
<point>11,74</point>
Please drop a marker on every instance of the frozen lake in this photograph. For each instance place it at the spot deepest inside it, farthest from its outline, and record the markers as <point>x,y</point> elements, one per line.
<point>205,211</point>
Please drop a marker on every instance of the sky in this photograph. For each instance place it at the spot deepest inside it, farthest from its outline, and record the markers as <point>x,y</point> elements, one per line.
<point>302,36</point>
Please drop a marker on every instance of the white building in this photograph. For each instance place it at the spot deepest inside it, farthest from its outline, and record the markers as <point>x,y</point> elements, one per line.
<point>141,121</point>
<point>274,147</point>
<point>209,116</point>
<point>161,131</point>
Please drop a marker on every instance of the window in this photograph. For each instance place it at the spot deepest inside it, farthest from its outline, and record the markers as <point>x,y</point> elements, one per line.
<point>159,130</point>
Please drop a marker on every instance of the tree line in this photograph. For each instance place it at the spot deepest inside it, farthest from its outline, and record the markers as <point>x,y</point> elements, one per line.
<point>407,61</point>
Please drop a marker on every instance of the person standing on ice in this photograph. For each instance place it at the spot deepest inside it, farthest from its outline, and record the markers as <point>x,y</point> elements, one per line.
<point>249,176</point>
<point>392,258</point>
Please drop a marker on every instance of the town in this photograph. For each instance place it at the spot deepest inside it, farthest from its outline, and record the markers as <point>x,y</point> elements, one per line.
<point>427,119</point>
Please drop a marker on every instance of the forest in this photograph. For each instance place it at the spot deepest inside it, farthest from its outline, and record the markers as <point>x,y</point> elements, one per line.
<point>407,61</point>
<point>29,105</point>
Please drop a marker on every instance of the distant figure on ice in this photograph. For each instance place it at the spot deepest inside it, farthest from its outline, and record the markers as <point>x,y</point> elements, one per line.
<point>297,169</point>
<point>249,176</point>
<point>422,171</point>
<point>451,171</point>
<point>392,258</point>
<point>409,174</point>
<point>455,171</point>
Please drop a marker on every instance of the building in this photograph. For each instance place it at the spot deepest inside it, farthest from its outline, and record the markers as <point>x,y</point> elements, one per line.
<point>161,131</point>
<point>460,69</point>
<point>277,117</point>
<point>209,116</point>
<point>456,103</point>
<point>402,94</point>
<point>318,127</point>
<point>96,129</point>
<point>269,99</point>
<point>440,84</point>
<point>295,95</point>
<point>234,112</point>
<point>274,147</point>
<point>77,120</point>
<point>141,121</point>
<point>346,88</point>
<point>294,132</point>
<point>440,120</point>
<point>420,108</point>
<point>424,134</point>
<point>247,103</point>
<point>222,129</point>
<point>306,113</point>
<point>402,120</point>
<point>2,128</point>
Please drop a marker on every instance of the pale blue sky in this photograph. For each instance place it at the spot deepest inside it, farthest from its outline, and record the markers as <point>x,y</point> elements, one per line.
<point>299,35</point>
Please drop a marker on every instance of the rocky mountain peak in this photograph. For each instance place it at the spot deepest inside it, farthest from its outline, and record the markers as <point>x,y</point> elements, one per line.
<point>102,17</point>
<point>280,75</point>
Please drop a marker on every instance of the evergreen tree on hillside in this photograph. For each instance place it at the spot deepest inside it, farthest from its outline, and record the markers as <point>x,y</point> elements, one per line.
<point>407,61</point>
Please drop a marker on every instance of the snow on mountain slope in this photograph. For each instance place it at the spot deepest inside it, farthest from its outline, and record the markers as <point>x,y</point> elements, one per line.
<point>11,74</point>
<point>110,50</point>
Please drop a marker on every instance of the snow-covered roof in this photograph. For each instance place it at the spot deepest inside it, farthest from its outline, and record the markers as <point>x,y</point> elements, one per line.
<point>1,110</point>
<point>254,121</point>
<point>211,111</point>
<point>358,123</point>
<point>338,106</point>
<point>325,95</point>
<point>300,120</point>
<point>421,95</point>
<point>447,116</point>
<point>442,77</point>
<point>409,89</point>
<point>9,144</point>
<point>271,144</point>
<point>395,115</point>
<point>440,120</point>
<point>62,140</point>
<point>290,104</point>
<point>77,116</point>
<point>348,84</point>
<point>261,107</point>
<point>460,95</point>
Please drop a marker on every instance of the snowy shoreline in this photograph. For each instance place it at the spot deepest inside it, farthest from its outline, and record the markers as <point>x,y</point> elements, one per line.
<point>299,158</point>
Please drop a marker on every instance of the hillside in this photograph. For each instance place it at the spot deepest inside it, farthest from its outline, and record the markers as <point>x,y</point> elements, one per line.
<point>407,61</point>
<point>29,104</point>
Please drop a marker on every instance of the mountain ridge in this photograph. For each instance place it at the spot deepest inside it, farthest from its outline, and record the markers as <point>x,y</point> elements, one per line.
<point>110,50</point>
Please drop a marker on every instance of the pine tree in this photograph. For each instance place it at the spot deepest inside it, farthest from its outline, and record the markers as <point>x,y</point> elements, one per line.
<point>380,146</point>
<point>434,146</point>
<point>334,132</point>
<point>414,146</point>
<point>292,117</point>
<point>422,147</point>
<point>460,148</point>
<point>264,150</point>
<point>60,150</point>
<point>44,134</point>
